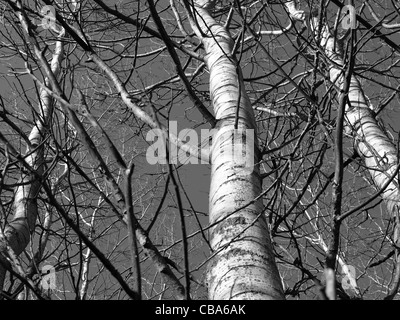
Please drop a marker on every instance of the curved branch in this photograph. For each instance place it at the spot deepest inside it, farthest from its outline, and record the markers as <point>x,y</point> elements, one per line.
<point>379,21</point>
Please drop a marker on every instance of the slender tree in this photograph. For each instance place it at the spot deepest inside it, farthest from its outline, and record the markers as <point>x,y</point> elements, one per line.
<point>358,116</point>
<point>243,264</point>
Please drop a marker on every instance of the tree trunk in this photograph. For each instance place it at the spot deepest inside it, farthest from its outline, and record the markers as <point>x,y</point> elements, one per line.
<point>370,141</point>
<point>18,232</point>
<point>243,264</point>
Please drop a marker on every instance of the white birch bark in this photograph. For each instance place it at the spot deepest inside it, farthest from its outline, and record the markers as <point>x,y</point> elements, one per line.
<point>370,141</point>
<point>87,257</point>
<point>18,231</point>
<point>243,264</point>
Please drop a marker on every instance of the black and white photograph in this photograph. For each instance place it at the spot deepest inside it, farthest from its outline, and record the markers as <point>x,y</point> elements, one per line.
<point>199,155</point>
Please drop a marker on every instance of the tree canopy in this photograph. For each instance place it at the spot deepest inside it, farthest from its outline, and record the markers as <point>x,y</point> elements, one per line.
<point>94,94</point>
